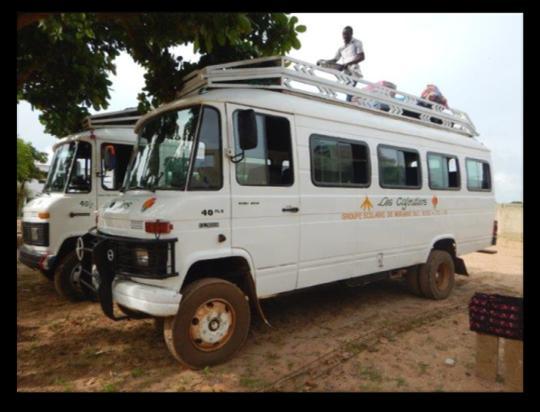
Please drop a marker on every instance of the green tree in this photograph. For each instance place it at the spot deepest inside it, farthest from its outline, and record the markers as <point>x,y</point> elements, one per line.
<point>27,156</point>
<point>63,60</point>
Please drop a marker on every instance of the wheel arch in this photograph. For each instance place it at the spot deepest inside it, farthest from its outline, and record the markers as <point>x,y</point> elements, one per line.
<point>448,244</point>
<point>236,268</point>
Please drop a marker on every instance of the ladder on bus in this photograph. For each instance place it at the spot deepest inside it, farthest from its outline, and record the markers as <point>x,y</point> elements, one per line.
<point>286,74</point>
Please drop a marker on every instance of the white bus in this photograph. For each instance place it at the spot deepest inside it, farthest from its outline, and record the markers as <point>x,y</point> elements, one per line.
<point>275,187</point>
<point>87,170</point>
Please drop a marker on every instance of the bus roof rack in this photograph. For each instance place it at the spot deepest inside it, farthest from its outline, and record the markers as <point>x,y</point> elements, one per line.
<point>286,74</point>
<point>121,118</point>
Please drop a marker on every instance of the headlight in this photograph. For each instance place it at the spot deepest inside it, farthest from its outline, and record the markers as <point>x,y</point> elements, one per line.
<point>141,257</point>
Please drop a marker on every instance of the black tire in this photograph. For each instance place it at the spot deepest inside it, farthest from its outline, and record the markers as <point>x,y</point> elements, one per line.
<point>412,280</point>
<point>48,274</point>
<point>66,279</point>
<point>211,309</point>
<point>436,276</point>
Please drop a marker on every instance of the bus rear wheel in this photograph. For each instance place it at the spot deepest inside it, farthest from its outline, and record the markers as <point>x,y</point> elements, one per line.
<point>413,281</point>
<point>436,277</point>
<point>211,325</point>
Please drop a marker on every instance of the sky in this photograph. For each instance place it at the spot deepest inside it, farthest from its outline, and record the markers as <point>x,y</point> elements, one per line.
<point>476,60</point>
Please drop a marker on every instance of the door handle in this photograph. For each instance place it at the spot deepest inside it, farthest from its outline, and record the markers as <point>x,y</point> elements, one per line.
<point>73,214</point>
<point>290,209</point>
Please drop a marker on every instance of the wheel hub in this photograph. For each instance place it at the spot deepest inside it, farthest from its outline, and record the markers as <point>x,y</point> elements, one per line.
<point>212,325</point>
<point>76,275</point>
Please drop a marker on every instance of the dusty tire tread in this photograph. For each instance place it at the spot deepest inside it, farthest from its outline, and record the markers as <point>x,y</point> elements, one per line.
<point>427,270</point>
<point>62,283</point>
<point>412,280</point>
<point>239,337</point>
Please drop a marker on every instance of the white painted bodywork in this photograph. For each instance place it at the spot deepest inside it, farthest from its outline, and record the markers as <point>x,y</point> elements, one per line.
<point>288,251</point>
<point>60,205</point>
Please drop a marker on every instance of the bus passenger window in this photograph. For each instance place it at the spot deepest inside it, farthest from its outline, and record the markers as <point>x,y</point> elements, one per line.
<point>478,175</point>
<point>337,162</point>
<point>399,168</point>
<point>443,171</point>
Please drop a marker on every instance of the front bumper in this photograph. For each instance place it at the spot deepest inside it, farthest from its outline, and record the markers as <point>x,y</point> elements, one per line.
<point>112,256</point>
<point>148,299</point>
<point>34,259</point>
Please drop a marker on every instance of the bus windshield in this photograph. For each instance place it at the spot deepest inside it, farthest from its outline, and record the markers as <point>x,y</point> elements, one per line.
<point>71,161</point>
<point>60,165</point>
<point>164,150</point>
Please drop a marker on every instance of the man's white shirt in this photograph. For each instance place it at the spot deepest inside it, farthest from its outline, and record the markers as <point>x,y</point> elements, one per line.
<point>348,52</point>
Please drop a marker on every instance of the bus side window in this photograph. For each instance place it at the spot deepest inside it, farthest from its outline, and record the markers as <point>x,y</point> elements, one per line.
<point>270,163</point>
<point>399,168</point>
<point>112,179</point>
<point>478,175</point>
<point>443,171</point>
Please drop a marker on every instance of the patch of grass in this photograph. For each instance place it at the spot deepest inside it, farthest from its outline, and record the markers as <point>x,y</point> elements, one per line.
<point>66,386</point>
<point>423,367</point>
<point>355,347</point>
<point>56,326</point>
<point>81,363</point>
<point>368,387</point>
<point>206,371</point>
<point>499,379</point>
<point>290,365</point>
<point>137,372</point>
<point>400,382</point>
<point>271,356</point>
<point>110,387</point>
<point>371,373</point>
<point>251,383</point>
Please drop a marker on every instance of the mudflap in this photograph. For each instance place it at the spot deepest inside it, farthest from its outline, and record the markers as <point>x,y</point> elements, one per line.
<point>104,256</point>
<point>459,266</point>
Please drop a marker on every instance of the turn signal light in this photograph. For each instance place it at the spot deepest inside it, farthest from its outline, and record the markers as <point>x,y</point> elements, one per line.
<point>43,215</point>
<point>158,227</point>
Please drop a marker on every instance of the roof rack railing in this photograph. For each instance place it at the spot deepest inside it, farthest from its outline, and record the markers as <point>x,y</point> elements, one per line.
<point>286,74</point>
<point>121,118</point>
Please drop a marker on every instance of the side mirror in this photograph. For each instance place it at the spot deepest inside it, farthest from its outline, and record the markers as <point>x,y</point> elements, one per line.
<point>109,158</point>
<point>247,129</point>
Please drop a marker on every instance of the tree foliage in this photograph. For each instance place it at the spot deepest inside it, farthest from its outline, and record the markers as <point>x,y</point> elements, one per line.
<point>27,156</point>
<point>63,60</point>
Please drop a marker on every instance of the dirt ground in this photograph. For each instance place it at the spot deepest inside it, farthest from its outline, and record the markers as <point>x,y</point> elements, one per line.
<point>327,338</point>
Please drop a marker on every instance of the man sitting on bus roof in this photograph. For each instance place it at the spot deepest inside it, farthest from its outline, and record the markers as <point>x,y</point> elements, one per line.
<point>350,55</point>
